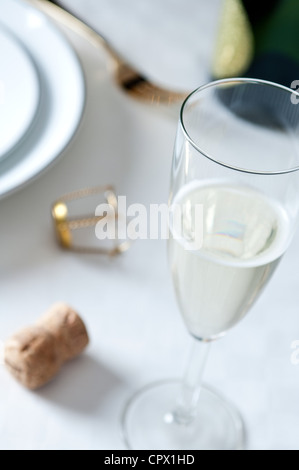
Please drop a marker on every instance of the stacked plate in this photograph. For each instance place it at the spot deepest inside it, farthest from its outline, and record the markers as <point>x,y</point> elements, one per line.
<point>42,94</point>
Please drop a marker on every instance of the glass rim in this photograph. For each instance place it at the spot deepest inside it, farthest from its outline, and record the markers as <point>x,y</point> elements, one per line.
<point>236,80</point>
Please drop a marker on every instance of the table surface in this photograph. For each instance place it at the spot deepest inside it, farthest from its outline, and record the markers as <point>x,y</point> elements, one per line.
<point>137,334</point>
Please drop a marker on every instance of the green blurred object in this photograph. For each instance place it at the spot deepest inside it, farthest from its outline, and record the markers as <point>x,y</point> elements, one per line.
<point>259,40</point>
<point>235,43</point>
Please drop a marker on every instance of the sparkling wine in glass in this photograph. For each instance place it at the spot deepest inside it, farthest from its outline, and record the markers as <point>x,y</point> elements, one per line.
<point>236,164</point>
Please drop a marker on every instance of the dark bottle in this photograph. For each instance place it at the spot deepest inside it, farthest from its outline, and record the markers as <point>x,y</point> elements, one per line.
<point>259,40</point>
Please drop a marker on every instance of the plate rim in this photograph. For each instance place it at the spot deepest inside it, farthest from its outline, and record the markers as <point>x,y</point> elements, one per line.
<point>24,180</point>
<point>31,114</point>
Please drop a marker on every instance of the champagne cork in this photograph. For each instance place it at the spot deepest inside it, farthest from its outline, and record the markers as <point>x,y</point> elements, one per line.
<point>36,354</point>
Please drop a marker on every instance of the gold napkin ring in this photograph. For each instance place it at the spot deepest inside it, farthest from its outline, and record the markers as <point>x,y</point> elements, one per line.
<point>66,225</point>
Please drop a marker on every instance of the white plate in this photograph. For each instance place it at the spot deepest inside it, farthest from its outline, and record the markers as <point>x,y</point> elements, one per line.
<point>18,98</point>
<point>62,94</point>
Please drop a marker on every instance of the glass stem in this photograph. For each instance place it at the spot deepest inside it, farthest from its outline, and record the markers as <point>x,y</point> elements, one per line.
<point>189,396</point>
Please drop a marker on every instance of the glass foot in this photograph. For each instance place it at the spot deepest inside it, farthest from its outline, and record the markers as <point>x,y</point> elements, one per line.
<point>148,422</point>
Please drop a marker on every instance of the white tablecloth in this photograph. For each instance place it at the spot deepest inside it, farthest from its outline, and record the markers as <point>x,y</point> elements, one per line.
<point>128,303</point>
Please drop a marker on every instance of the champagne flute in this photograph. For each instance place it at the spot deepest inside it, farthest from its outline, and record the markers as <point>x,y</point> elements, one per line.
<point>235,180</point>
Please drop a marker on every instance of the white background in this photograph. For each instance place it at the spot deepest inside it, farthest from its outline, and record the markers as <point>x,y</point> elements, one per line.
<point>137,335</point>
